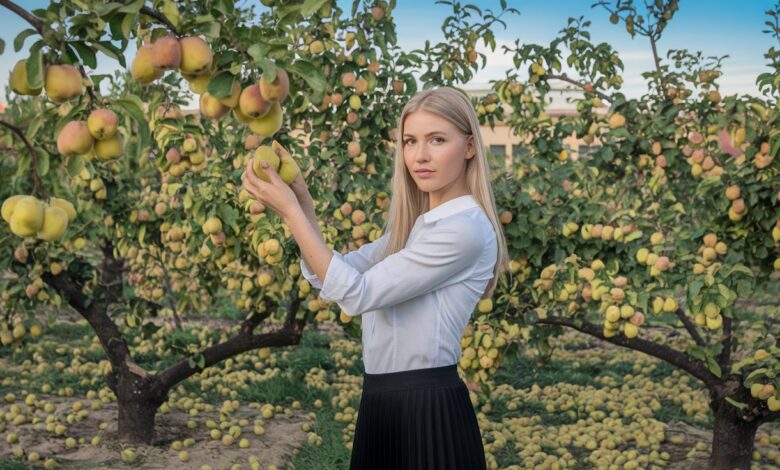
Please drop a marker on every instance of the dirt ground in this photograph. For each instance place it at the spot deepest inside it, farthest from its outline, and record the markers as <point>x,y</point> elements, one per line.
<point>283,436</point>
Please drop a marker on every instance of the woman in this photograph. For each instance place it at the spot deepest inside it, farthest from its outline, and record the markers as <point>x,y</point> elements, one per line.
<point>416,286</point>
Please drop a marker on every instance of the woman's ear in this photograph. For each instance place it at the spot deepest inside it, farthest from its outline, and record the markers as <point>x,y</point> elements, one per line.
<point>470,153</point>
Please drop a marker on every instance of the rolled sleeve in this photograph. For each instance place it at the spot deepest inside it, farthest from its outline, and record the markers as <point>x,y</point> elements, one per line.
<point>441,256</point>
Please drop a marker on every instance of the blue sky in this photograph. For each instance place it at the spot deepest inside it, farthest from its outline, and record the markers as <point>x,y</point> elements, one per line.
<point>725,27</point>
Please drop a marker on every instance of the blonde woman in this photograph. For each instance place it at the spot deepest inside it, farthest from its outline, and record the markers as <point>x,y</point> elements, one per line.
<point>415,286</point>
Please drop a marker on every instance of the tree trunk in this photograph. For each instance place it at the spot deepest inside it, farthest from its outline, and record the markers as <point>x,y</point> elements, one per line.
<point>732,440</point>
<point>136,421</point>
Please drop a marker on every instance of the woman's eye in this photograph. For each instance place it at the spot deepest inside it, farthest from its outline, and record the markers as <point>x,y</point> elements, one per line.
<point>406,142</point>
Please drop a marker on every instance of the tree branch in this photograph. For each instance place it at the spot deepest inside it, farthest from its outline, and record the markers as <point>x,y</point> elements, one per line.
<point>657,61</point>
<point>244,341</point>
<point>690,327</point>
<point>665,353</point>
<point>152,13</point>
<point>36,22</point>
<point>37,184</point>
<point>106,330</point>
<point>724,359</point>
<point>240,343</point>
<point>565,78</point>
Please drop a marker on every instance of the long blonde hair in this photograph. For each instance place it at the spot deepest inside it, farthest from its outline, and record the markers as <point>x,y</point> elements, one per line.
<point>408,202</point>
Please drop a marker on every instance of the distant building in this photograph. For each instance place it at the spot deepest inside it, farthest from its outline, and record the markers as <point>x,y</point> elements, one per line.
<point>501,143</point>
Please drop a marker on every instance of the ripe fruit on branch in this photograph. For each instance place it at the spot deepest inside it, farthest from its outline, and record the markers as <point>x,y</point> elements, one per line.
<point>27,216</point>
<point>62,82</point>
<point>212,226</point>
<point>142,70</point>
<point>102,123</point>
<point>74,139</point>
<point>616,120</point>
<point>269,124</point>
<point>109,149</point>
<point>166,53</point>
<point>18,80</point>
<point>278,89</point>
<point>252,104</point>
<point>196,55</point>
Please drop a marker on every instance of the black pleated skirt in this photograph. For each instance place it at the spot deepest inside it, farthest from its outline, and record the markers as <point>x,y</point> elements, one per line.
<point>419,419</point>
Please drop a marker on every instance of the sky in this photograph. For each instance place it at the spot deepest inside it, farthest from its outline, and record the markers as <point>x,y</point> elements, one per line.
<point>716,28</point>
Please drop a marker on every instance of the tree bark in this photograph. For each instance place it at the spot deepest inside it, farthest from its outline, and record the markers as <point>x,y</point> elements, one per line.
<point>136,421</point>
<point>732,440</point>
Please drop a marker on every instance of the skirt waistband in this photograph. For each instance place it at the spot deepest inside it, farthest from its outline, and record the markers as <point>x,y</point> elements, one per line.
<point>412,379</point>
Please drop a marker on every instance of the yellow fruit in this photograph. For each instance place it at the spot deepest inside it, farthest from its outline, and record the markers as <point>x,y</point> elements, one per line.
<point>212,107</point>
<point>278,89</point>
<point>74,139</point>
<point>196,55</point>
<point>231,100</point>
<point>18,80</point>
<point>773,404</point>
<point>55,222</point>
<point>62,82</point>
<point>252,104</point>
<point>198,83</point>
<point>354,102</point>
<point>630,330</point>
<point>212,225</point>
<point>485,305</point>
<point>616,120</point>
<point>267,154</point>
<point>714,323</point>
<point>166,53</point>
<point>670,304</point>
<point>102,123</point>
<point>288,169</point>
<point>8,206</point>
<point>142,70</point>
<point>27,217</point>
<point>613,313</point>
<point>270,123</point>
<point>110,148</point>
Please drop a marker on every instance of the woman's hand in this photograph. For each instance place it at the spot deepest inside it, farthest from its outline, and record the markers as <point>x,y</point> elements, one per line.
<point>275,194</point>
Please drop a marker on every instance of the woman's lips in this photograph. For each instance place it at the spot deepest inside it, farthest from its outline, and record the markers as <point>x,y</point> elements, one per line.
<point>424,174</point>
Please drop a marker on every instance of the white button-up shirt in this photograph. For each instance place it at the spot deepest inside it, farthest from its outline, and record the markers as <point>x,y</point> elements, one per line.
<point>416,303</point>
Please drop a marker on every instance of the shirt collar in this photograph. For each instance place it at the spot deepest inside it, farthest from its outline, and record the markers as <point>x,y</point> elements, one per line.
<point>453,206</point>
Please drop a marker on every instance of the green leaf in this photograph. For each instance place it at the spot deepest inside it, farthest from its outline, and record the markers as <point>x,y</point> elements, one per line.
<point>111,50</point>
<point>2,46</point>
<point>713,366</point>
<point>133,8</point>
<point>19,40</point>
<point>128,24</point>
<point>171,12</point>
<point>310,6</point>
<point>35,66</point>
<point>311,74</point>
<point>132,104</point>
<point>86,53</point>
<point>75,165</point>
<point>736,403</point>
<point>221,84</point>
<point>43,162</point>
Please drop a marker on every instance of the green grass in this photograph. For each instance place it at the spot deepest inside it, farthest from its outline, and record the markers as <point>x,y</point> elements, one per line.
<point>331,454</point>
<point>7,464</point>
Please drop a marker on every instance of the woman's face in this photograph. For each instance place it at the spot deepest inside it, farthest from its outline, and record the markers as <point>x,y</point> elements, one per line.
<point>432,142</point>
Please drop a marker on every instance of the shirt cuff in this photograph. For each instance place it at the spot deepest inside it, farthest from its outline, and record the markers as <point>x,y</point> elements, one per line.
<point>337,278</point>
